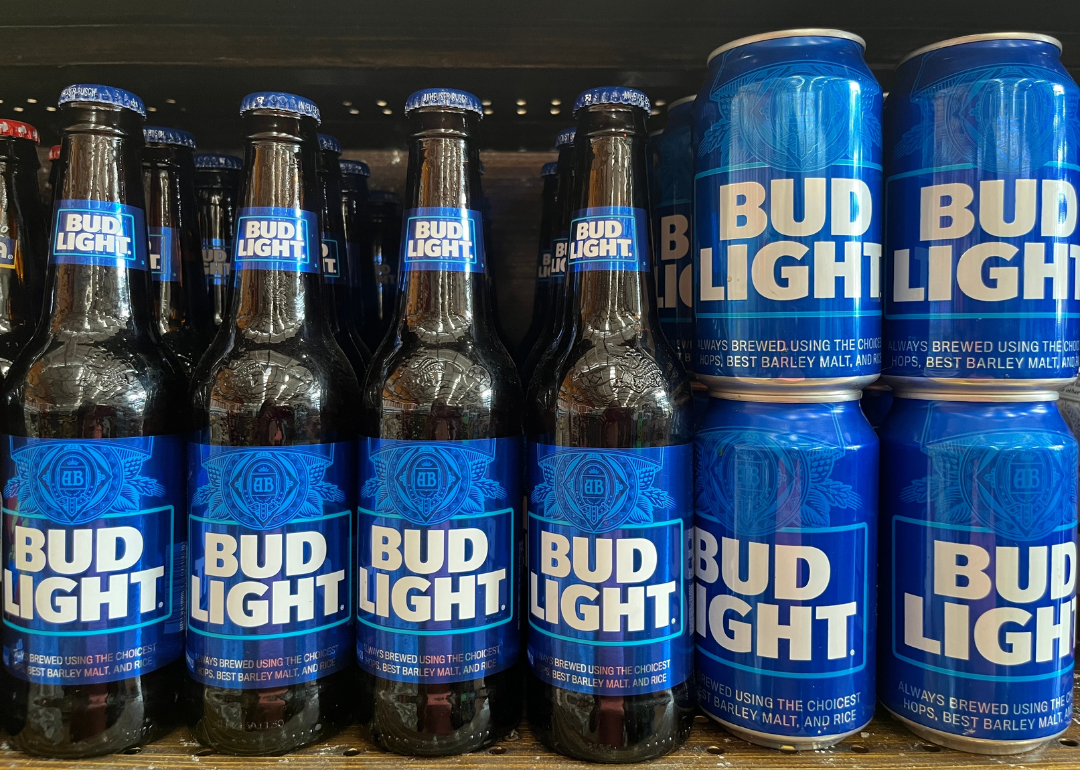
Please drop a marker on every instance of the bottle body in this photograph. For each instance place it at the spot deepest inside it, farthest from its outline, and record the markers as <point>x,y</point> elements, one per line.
<point>609,464</point>
<point>93,415</point>
<point>274,415</point>
<point>440,464</point>
<point>217,183</point>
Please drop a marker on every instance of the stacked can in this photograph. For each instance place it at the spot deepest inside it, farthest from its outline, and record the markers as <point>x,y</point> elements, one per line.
<point>978,531</point>
<point>787,247</point>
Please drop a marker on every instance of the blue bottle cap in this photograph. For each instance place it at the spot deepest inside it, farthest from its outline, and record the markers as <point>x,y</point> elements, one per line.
<point>612,95</point>
<point>444,97</point>
<point>161,135</point>
<point>565,137</point>
<point>383,196</point>
<point>88,92</point>
<point>356,167</point>
<point>327,142</point>
<point>549,169</point>
<point>213,160</point>
<point>281,102</point>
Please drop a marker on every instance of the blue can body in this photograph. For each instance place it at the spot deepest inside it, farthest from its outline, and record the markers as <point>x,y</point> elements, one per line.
<point>982,172</point>
<point>978,565</point>
<point>788,216</point>
<point>672,211</point>
<point>786,549</point>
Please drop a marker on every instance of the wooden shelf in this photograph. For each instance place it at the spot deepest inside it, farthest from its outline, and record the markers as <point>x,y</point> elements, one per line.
<point>884,744</point>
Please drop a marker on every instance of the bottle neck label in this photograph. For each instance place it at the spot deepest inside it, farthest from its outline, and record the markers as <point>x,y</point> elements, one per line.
<point>609,588</point>
<point>444,239</point>
<point>610,238</point>
<point>333,256</point>
<point>93,567</point>
<point>164,253</point>
<point>271,563</point>
<point>217,261</point>
<point>7,253</point>
<point>98,233</point>
<point>271,238</point>
<point>438,558</point>
<point>560,248</point>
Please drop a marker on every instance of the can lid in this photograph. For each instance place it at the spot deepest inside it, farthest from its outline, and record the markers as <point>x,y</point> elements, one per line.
<point>354,167</point>
<point>327,142</point>
<point>280,101</point>
<point>213,160</point>
<point>631,97</point>
<point>95,94</point>
<point>383,196</point>
<point>976,397</point>
<point>565,137</point>
<point>806,32</point>
<point>21,130</point>
<point>1033,36</point>
<point>161,135</point>
<point>680,102</point>
<point>54,152</point>
<point>549,169</point>
<point>451,98</point>
<point>788,397</point>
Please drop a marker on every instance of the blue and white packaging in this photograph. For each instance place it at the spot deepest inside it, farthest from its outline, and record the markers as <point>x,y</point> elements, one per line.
<point>788,215</point>
<point>94,543</point>
<point>610,610</point>
<point>164,253</point>
<point>89,232</point>
<point>439,559</point>
<point>217,260</point>
<point>609,238</point>
<point>446,239</point>
<point>785,568</point>
<point>270,238</point>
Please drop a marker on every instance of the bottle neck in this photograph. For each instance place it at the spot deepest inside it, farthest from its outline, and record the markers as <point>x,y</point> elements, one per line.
<point>442,262</point>
<point>98,267</point>
<point>611,286</point>
<point>276,251</point>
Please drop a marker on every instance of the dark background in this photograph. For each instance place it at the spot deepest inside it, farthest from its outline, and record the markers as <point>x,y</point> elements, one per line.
<point>192,62</point>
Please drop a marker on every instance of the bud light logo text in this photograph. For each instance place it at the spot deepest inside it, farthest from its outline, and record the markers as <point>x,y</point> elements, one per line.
<point>217,261</point>
<point>438,559</point>
<point>609,238</point>
<point>608,568</point>
<point>443,239</point>
<point>270,238</point>
<point>332,251</point>
<point>97,233</point>
<point>7,253</point>
<point>93,585</point>
<point>271,563</point>
<point>164,253</point>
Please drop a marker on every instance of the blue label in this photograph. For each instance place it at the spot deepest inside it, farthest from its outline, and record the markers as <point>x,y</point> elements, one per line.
<point>438,558</point>
<point>787,216</point>
<point>675,277</point>
<point>217,261</point>
<point>98,233</point>
<point>610,238</point>
<point>609,572</point>
<point>164,253</point>
<point>978,595</point>
<point>270,238</point>
<point>785,569</point>
<point>560,251</point>
<point>94,541</point>
<point>443,239</point>
<point>333,249</point>
<point>543,266</point>
<point>7,253</point>
<point>271,563</point>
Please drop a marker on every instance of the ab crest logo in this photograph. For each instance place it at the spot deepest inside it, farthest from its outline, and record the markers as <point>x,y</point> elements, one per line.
<point>599,491</point>
<point>1015,484</point>
<point>267,487</point>
<point>73,482</point>
<point>428,483</point>
<point>756,482</point>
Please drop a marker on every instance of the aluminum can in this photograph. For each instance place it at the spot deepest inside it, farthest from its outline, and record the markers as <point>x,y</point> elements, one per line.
<point>981,291</point>
<point>978,570</point>
<point>785,563</point>
<point>788,216</point>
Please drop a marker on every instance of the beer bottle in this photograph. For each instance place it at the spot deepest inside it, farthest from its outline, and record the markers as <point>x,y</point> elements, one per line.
<point>542,290</point>
<point>181,308</point>
<point>354,208</point>
<point>93,465</point>
<point>440,470</point>
<point>609,472</point>
<point>339,279</point>
<point>381,261</point>
<point>54,170</point>
<point>272,483</point>
<point>23,239</point>
<point>539,367</point>
<point>217,183</point>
